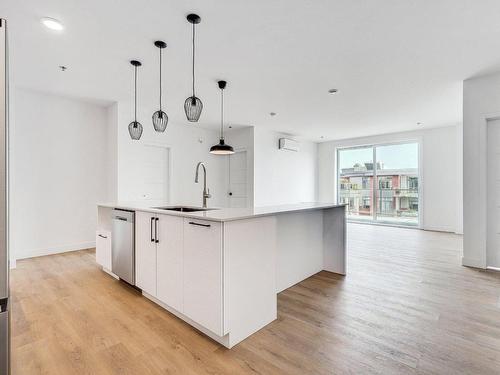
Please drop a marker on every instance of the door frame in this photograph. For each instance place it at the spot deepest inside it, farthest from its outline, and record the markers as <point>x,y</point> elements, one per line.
<point>228,175</point>
<point>489,193</point>
<point>419,141</point>
<point>483,189</point>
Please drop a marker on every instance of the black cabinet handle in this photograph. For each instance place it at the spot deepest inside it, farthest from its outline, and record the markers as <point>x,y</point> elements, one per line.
<point>152,239</point>
<point>200,225</point>
<point>102,236</point>
<point>156,230</point>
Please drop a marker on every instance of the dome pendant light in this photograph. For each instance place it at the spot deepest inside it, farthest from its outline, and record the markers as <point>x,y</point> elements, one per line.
<point>193,105</point>
<point>222,148</point>
<point>135,127</point>
<point>160,118</point>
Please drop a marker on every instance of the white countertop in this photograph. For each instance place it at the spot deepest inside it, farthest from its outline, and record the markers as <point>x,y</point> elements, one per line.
<point>223,214</point>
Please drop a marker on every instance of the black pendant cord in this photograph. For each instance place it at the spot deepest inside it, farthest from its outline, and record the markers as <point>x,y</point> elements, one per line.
<point>221,148</point>
<point>193,56</point>
<point>222,114</point>
<point>160,79</point>
<point>135,128</point>
<point>135,95</point>
<point>193,105</point>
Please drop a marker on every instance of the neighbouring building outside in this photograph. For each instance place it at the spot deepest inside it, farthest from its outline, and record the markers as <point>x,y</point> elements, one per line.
<point>395,192</point>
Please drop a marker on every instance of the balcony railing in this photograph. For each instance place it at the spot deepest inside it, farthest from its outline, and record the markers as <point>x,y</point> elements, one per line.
<point>393,205</point>
<point>393,191</point>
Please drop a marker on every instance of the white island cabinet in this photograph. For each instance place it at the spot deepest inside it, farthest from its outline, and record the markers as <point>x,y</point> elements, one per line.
<point>103,248</point>
<point>145,252</point>
<point>170,261</point>
<point>203,288</point>
<point>159,257</point>
<point>221,270</point>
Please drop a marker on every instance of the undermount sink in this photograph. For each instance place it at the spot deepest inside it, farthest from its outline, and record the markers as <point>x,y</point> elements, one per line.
<point>184,208</point>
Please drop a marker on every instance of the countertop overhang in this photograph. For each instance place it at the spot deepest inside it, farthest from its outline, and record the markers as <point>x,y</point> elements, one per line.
<point>225,214</point>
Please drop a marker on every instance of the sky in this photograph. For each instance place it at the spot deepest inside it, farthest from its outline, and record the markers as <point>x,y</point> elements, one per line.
<point>392,156</point>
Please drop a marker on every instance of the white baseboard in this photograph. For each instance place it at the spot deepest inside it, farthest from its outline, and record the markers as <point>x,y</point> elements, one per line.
<point>473,262</point>
<point>53,250</point>
<point>493,268</point>
<point>13,264</point>
<point>434,228</point>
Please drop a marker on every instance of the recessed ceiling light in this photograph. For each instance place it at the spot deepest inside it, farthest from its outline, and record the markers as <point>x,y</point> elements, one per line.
<point>272,113</point>
<point>333,91</point>
<point>52,23</point>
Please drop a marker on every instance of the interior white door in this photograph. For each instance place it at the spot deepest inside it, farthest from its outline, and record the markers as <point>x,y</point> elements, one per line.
<point>169,252</point>
<point>238,194</point>
<point>493,194</point>
<point>145,251</point>
<point>153,178</point>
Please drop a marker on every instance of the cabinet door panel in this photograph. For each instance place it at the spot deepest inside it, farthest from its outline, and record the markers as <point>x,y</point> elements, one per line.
<point>170,260</point>
<point>103,248</point>
<point>145,252</point>
<point>203,273</point>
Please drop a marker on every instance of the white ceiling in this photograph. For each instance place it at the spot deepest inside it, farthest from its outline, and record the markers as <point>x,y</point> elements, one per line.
<point>394,62</point>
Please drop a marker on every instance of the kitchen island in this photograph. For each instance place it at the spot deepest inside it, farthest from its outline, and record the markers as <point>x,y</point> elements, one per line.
<point>220,270</point>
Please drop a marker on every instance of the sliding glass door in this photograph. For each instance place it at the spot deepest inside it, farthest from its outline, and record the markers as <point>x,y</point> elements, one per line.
<point>380,183</point>
<point>355,182</point>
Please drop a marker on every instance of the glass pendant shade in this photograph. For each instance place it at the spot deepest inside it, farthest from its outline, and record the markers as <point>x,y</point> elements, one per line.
<point>160,121</point>
<point>193,107</point>
<point>221,148</point>
<point>135,130</point>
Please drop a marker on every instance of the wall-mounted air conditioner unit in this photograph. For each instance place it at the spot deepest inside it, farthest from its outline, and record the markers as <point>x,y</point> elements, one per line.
<point>288,144</point>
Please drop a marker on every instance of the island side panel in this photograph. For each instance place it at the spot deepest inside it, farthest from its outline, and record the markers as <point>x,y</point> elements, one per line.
<point>335,240</point>
<point>104,218</point>
<point>299,247</point>
<point>249,276</point>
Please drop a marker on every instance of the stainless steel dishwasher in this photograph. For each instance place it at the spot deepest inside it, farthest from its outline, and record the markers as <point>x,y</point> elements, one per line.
<point>123,245</point>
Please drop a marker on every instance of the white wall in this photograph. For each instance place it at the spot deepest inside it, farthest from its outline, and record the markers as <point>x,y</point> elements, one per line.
<point>440,166</point>
<point>57,148</point>
<point>481,102</point>
<point>283,177</point>
<point>67,155</point>
<point>112,152</point>
<point>188,144</point>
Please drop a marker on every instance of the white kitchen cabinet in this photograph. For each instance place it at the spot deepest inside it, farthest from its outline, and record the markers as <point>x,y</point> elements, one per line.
<point>103,248</point>
<point>220,271</point>
<point>169,252</point>
<point>146,225</point>
<point>203,281</point>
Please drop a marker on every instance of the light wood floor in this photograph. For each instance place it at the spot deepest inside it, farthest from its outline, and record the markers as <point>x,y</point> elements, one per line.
<point>406,307</point>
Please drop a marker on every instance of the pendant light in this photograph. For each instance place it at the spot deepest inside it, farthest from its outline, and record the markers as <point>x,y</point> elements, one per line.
<point>160,118</point>
<point>193,105</point>
<point>222,148</point>
<point>135,127</point>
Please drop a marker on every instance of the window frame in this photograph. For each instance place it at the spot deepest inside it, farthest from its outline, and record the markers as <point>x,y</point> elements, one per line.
<point>419,142</point>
